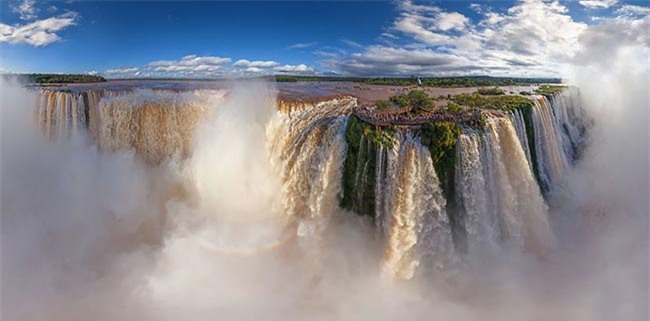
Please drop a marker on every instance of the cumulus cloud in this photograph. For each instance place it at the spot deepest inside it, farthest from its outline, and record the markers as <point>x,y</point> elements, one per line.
<point>297,69</point>
<point>598,4</point>
<point>194,66</point>
<point>25,10</point>
<point>257,63</point>
<point>190,65</point>
<point>123,72</point>
<point>536,34</point>
<point>391,61</point>
<point>38,33</point>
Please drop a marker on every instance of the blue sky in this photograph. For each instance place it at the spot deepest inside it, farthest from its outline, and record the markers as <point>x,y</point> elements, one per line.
<point>365,38</point>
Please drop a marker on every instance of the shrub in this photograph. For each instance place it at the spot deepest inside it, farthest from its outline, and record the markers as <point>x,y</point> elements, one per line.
<point>494,91</point>
<point>452,107</point>
<point>383,104</point>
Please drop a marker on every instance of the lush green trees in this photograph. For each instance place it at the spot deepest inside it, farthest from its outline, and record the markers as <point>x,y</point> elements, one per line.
<point>491,91</point>
<point>504,102</point>
<point>383,104</point>
<point>363,141</point>
<point>63,78</point>
<point>441,139</point>
<point>418,99</point>
<point>548,90</point>
<point>452,107</point>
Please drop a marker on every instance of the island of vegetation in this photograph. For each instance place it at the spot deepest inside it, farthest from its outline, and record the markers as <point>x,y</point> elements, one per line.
<point>436,121</point>
<point>60,78</point>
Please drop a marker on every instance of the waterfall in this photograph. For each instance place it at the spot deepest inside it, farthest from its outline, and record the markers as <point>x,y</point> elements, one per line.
<point>495,193</point>
<point>155,124</point>
<point>570,120</point>
<point>478,215</point>
<point>61,114</point>
<point>308,147</point>
<point>550,149</point>
<point>417,228</point>
<point>500,200</point>
<point>520,127</point>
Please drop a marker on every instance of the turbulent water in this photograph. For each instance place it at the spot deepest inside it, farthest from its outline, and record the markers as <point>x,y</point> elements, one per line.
<point>416,224</point>
<point>308,146</point>
<point>155,124</point>
<point>497,200</point>
<point>501,201</point>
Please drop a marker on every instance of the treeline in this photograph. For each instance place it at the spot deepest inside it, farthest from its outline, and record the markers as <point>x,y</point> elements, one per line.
<point>62,78</point>
<point>471,81</point>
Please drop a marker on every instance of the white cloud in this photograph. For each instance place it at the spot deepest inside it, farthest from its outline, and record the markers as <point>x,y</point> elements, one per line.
<point>26,10</point>
<point>253,70</point>
<point>126,72</point>
<point>298,69</point>
<point>596,4</point>
<point>129,70</point>
<point>303,45</point>
<point>194,66</point>
<point>529,39</point>
<point>631,11</point>
<point>191,65</point>
<point>37,33</point>
<point>257,63</point>
<point>451,20</point>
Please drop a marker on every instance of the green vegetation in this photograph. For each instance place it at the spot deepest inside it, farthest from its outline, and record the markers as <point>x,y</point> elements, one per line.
<point>382,104</point>
<point>494,91</point>
<point>400,100</point>
<point>504,103</point>
<point>418,99</point>
<point>548,90</point>
<point>63,78</point>
<point>358,192</point>
<point>525,93</point>
<point>452,107</point>
<point>427,82</point>
<point>441,139</point>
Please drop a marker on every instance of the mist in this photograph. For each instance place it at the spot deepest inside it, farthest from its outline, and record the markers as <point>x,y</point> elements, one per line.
<point>93,235</point>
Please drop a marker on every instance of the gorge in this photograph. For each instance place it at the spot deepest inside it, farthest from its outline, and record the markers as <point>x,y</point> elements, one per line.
<point>437,190</point>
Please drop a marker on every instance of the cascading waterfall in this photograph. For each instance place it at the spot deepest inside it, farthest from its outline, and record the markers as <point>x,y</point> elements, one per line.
<point>551,154</point>
<point>520,127</point>
<point>501,202</point>
<point>417,228</point>
<point>309,150</point>
<point>570,120</point>
<point>479,217</point>
<point>60,114</point>
<point>155,124</point>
